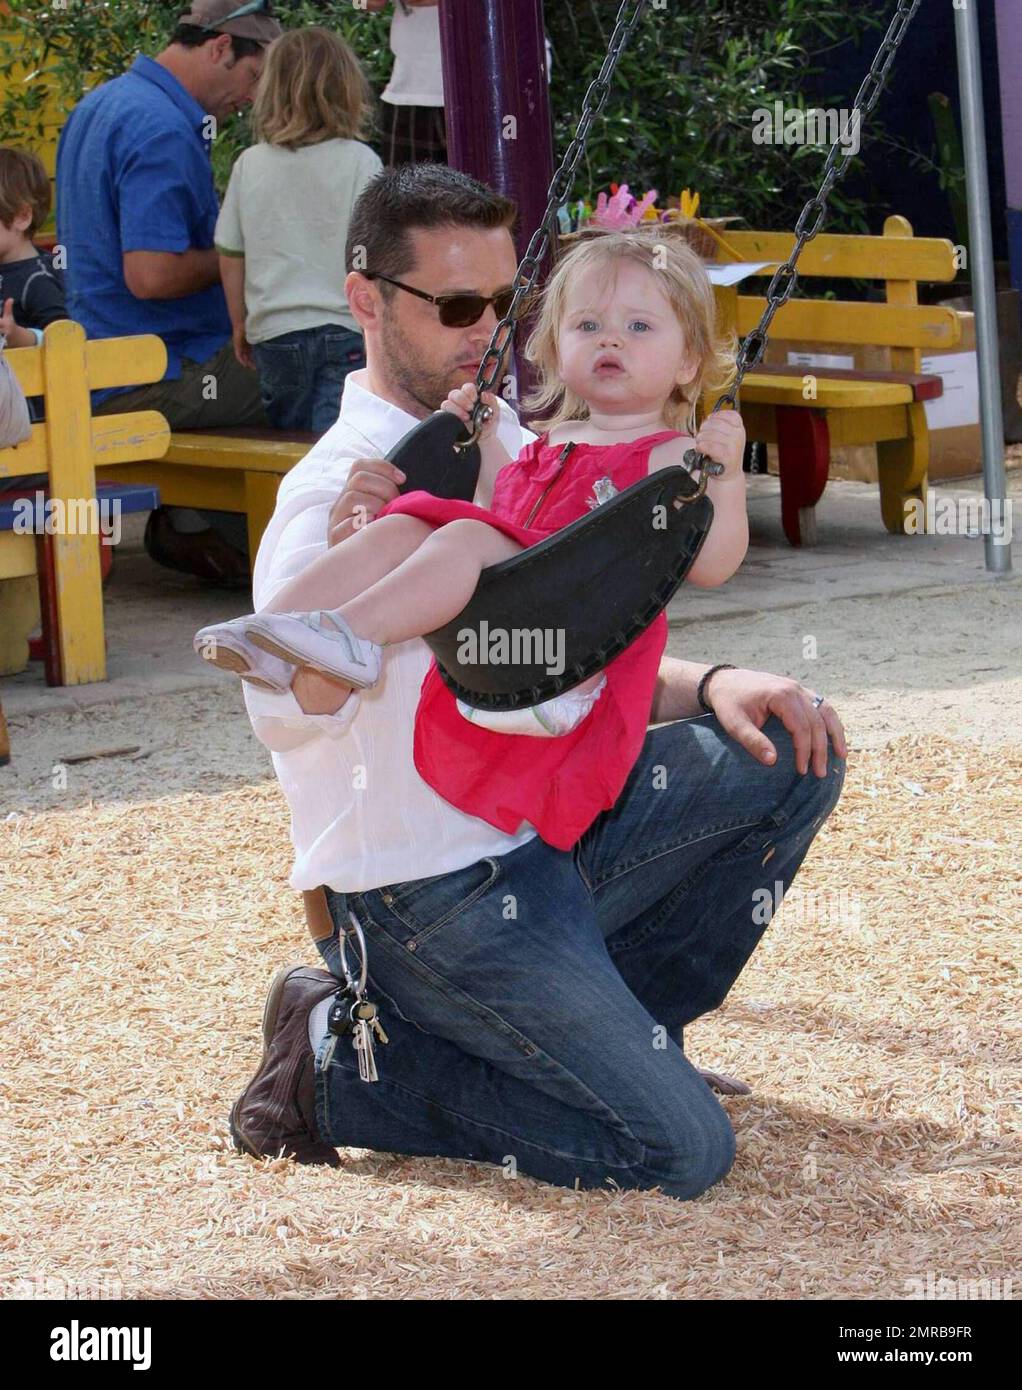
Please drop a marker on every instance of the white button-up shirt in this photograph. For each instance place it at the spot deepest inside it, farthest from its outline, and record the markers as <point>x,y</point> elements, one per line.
<point>361,816</point>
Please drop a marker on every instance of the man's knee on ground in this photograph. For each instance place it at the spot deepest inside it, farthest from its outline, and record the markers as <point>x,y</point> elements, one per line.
<point>824,791</point>
<point>703,1156</point>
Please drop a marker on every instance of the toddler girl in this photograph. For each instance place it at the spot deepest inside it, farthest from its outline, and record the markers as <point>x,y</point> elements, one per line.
<point>282,229</point>
<point>625,345</point>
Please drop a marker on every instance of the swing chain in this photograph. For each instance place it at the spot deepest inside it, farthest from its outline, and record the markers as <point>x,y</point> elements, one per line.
<point>628,16</point>
<point>785,277</point>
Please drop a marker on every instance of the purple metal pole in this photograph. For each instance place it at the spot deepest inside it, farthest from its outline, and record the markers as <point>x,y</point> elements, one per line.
<point>497,109</point>
<point>1009,55</point>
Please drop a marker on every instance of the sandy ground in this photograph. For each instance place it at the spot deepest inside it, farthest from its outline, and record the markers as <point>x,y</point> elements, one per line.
<point>878,1023</point>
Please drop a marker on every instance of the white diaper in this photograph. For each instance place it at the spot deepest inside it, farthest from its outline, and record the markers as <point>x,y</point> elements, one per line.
<point>552,719</point>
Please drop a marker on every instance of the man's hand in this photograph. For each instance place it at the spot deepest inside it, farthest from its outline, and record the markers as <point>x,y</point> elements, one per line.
<point>372,483</point>
<point>744,700</point>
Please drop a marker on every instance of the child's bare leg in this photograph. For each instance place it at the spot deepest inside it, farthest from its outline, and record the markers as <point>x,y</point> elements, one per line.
<point>353,566</point>
<point>431,586</point>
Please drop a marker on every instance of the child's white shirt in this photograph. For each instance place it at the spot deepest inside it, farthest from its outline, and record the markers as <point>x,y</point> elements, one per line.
<point>294,264</point>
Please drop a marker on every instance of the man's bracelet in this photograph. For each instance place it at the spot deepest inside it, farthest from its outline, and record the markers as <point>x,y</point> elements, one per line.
<point>701,687</point>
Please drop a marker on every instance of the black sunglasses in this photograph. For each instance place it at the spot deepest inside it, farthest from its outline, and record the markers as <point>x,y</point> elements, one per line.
<point>456,310</point>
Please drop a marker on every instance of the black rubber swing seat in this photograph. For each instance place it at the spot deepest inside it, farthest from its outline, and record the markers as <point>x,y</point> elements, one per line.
<point>429,461</point>
<point>597,584</point>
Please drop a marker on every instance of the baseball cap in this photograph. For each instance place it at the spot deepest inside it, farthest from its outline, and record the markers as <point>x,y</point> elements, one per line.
<point>245,19</point>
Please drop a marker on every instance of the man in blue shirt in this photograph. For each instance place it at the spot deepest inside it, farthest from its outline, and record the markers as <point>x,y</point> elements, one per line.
<point>136,211</point>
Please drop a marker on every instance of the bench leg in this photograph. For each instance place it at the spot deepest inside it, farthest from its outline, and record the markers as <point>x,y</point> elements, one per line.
<point>5,742</point>
<point>902,466</point>
<point>803,452</point>
<point>260,500</point>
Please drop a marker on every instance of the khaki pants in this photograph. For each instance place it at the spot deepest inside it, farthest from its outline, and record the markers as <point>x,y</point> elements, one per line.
<point>208,395</point>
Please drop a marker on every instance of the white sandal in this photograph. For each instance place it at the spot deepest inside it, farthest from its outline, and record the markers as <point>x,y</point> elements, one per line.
<point>226,646</point>
<point>322,640</point>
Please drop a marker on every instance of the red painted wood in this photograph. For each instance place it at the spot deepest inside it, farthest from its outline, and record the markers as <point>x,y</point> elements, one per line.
<point>803,450</point>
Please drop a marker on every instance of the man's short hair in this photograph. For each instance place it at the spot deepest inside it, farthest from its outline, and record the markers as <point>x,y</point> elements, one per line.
<point>191,36</point>
<point>399,200</point>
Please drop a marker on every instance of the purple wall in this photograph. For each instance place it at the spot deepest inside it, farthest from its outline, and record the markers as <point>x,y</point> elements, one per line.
<point>1009,59</point>
<point>494,61</point>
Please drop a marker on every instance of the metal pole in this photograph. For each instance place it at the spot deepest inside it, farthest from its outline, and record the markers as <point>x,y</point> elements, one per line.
<point>497,109</point>
<point>981,269</point>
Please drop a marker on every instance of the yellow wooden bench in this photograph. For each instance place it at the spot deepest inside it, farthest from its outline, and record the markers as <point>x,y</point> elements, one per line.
<point>229,470</point>
<point>69,447</point>
<point>885,408</point>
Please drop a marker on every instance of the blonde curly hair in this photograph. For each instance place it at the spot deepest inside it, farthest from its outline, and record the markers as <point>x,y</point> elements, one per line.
<point>680,274</point>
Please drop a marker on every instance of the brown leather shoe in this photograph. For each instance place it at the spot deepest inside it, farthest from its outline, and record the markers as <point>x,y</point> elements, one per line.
<point>276,1112</point>
<point>726,1085</point>
<point>202,553</point>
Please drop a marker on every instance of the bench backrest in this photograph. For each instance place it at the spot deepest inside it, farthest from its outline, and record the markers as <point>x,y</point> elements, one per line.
<point>68,447</point>
<point>897,258</point>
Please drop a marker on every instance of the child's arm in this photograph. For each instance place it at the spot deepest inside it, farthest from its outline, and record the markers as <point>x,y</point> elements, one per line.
<point>494,456</point>
<point>16,336</point>
<point>43,301</point>
<point>232,274</point>
<point>721,437</point>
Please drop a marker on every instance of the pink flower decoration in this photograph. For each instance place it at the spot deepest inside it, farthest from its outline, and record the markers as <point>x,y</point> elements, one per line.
<point>621,211</point>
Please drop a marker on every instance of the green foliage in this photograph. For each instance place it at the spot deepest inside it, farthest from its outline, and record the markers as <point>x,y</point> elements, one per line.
<point>680,113</point>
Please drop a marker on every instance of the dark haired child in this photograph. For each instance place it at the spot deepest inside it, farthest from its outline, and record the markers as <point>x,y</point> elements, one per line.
<point>31,288</point>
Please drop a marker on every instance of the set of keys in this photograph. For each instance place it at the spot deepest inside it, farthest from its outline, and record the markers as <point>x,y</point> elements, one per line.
<point>354,1015</point>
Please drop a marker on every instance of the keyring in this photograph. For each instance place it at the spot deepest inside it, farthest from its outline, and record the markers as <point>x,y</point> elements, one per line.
<point>363,956</point>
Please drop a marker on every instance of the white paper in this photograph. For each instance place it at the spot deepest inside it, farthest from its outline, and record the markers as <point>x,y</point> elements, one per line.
<point>737,272</point>
<point>835,360</point>
<point>959,405</point>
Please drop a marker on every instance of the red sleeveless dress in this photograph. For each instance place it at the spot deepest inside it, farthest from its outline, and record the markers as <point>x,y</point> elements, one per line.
<point>559,785</point>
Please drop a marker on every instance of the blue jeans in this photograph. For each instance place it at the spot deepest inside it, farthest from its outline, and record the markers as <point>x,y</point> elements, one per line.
<point>535,1001</point>
<point>301,375</point>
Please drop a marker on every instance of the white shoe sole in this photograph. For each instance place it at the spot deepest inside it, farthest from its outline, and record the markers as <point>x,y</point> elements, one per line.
<point>233,658</point>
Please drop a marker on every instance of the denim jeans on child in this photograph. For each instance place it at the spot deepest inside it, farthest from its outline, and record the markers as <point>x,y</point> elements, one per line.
<point>301,375</point>
<point>535,1001</point>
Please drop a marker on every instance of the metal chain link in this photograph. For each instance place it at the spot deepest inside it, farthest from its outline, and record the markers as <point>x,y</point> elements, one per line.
<point>785,277</point>
<point>628,16</point>
<point>784,280</point>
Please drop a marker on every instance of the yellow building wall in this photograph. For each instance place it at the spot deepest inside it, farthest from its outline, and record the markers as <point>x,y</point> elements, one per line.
<point>53,113</point>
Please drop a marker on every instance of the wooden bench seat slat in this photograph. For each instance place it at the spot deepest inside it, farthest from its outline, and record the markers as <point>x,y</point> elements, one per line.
<point>781,389</point>
<point>230,451</point>
<point>923,388</point>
